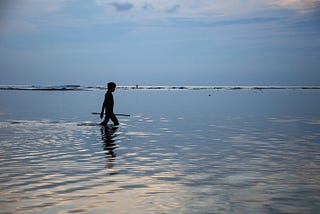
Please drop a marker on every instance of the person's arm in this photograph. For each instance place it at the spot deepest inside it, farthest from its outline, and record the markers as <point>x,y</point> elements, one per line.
<point>101,114</point>
<point>102,109</point>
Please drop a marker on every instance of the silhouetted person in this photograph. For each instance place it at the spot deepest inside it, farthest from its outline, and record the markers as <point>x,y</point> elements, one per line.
<point>107,106</point>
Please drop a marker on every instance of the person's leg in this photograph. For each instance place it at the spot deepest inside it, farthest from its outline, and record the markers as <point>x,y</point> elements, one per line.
<point>114,119</point>
<point>105,121</point>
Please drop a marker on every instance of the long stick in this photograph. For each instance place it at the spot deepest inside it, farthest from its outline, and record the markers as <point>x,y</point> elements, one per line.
<point>125,115</point>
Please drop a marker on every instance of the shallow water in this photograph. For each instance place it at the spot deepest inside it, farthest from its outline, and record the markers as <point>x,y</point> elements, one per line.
<point>179,152</point>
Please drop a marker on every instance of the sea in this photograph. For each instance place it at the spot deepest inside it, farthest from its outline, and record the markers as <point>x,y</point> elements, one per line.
<point>178,149</point>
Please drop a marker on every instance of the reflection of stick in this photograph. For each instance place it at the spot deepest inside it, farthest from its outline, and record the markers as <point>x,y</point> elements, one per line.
<point>125,115</point>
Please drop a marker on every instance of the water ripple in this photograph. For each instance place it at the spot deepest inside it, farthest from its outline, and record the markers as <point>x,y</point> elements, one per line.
<point>170,167</point>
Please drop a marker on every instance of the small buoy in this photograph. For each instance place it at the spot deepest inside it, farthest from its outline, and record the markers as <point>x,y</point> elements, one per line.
<point>209,95</point>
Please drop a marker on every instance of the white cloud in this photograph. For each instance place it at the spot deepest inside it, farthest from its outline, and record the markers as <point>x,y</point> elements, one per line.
<point>24,16</point>
<point>201,8</point>
<point>297,4</point>
<point>150,9</point>
<point>33,7</point>
<point>28,15</point>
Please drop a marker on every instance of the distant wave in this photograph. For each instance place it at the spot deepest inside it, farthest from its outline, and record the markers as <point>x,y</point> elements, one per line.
<point>86,88</point>
<point>42,88</point>
<point>214,87</point>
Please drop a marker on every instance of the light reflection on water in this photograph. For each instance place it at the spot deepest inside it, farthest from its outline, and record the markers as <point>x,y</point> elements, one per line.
<point>232,152</point>
<point>227,166</point>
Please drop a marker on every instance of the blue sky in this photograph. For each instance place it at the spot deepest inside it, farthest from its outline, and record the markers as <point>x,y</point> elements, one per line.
<point>160,42</point>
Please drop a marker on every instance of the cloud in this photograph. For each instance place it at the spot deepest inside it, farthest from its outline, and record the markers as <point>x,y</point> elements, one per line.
<point>24,16</point>
<point>33,14</point>
<point>159,9</point>
<point>297,4</point>
<point>198,9</point>
<point>121,7</point>
<point>173,9</point>
<point>196,6</point>
<point>32,7</point>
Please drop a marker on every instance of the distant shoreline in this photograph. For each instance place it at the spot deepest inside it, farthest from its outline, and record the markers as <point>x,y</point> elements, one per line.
<point>88,88</point>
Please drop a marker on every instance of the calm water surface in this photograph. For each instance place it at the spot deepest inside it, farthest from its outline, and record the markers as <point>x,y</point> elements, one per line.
<point>179,152</point>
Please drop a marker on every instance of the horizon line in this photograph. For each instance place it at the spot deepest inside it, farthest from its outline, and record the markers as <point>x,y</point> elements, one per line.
<point>74,87</point>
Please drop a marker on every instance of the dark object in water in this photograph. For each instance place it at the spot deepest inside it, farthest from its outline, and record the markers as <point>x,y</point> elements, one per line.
<point>125,115</point>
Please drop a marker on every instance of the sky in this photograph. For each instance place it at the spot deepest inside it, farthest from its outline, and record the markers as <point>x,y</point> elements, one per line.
<point>160,42</point>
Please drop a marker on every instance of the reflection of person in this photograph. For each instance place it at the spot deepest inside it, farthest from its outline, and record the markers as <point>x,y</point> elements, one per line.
<point>107,106</point>
<point>108,141</point>
<point>108,136</point>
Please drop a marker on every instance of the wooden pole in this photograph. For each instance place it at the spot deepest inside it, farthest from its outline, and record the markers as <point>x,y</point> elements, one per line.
<point>125,115</point>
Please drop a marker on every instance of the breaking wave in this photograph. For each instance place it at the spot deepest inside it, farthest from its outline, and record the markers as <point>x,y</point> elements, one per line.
<point>86,88</point>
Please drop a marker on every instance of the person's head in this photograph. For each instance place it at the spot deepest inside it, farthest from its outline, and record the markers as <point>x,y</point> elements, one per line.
<point>111,86</point>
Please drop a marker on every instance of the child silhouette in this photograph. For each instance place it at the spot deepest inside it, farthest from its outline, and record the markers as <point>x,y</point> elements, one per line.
<point>107,106</point>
